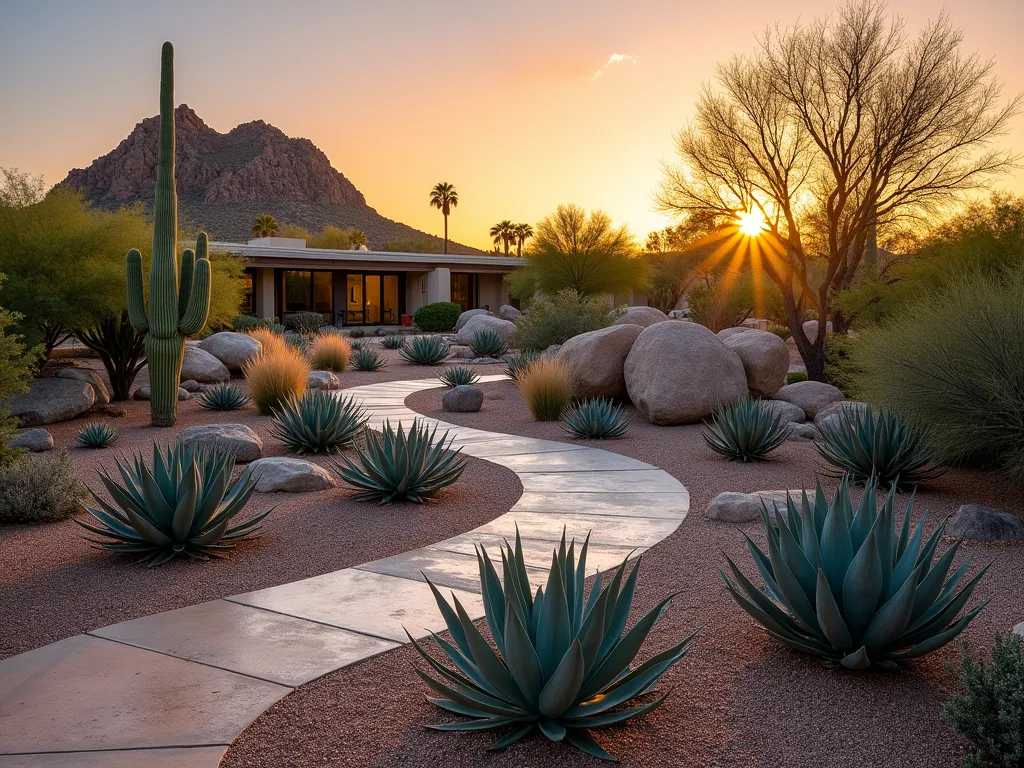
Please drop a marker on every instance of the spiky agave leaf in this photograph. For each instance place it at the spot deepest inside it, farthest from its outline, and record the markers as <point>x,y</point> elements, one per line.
<point>487,342</point>
<point>223,397</point>
<point>181,505</point>
<point>596,417</point>
<point>425,350</point>
<point>855,587</point>
<point>318,422</point>
<point>561,662</point>
<point>745,430</point>
<point>97,435</point>
<point>458,375</point>
<point>394,341</point>
<point>516,365</point>
<point>397,464</point>
<point>366,359</point>
<point>862,443</point>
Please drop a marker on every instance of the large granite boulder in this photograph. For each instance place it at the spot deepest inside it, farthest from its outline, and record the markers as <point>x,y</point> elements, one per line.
<point>597,359</point>
<point>728,333</point>
<point>481,322</point>
<point>35,440</point>
<point>468,315</point>
<point>203,367</point>
<point>322,380</point>
<point>787,412</point>
<point>246,443</point>
<point>90,377</point>
<point>288,475</point>
<point>232,349</point>
<point>732,507</point>
<point>464,398</point>
<point>510,313</point>
<point>812,396</point>
<point>642,316</point>
<point>145,392</point>
<point>978,523</point>
<point>679,373</point>
<point>765,359</point>
<point>51,400</point>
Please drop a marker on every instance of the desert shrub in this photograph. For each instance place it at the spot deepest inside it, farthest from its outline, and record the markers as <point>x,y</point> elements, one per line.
<point>425,350</point>
<point>746,430</point>
<point>274,378</point>
<point>16,367</point>
<point>366,359</point>
<point>306,323</point>
<point>547,387</point>
<point>840,366</point>
<point>990,711</point>
<point>329,352</point>
<point>794,376</point>
<point>955,363</point>
<point>780,330</point>
<point>559,318</point>
<point>487,342</point>
<point>245,323</point>
<point>356,333</point>
<point>437,317</point>
<point>270,342</point>
<point>39,489</point>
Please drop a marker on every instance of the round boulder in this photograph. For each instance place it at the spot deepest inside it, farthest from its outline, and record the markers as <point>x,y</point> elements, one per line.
<point>288,475</point>
<point>322,380</point>
<point>232,349</point>
<point>246,443</point>
<point>460,352</point>
<point>765,359</point>
<point>832,412</point>
<point>464,398</point>
<point>597,358</point>
<point>811,329</point>
<point>468,315</point>
<point>51,400</point>
<point>203,367</point>
<point>480,322</point>
<point>812,396</point>
<point>732,507</point>
<point>642,316</point>
<point>978,523</point>
<point>787,412</point>
<point>728,333</point>
<point>510,313</point>
<point>679,373</point>
<point>90,377</point>
<point>34,440</point>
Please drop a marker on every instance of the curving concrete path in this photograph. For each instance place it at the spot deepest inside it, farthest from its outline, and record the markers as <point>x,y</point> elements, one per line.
<point>176,688</point>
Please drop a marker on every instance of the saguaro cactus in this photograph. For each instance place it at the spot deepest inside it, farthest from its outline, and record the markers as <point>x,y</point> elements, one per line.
<point>179,302</point>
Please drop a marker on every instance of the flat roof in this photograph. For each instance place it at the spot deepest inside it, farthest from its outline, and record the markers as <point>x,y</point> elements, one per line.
<point>272,255</point>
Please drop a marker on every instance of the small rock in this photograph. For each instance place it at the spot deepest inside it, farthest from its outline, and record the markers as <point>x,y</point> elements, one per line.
<point>812,396</point>
<point>483,361</point>
<point>464,398</point>
<point>801,433</point>
<point>51,400</point>
<point>146,393</point>
<point>232,349</point>
<point>787,412</point>
<point>678,314</point>
<point>732,507</point>
<point>111,410</point>
<point>322,380</point>
<point>642,316</point>
<point>280,473</point>
<point>1019,629</point>
<point>90,377</point>
<point>460,352</point>
<point>510,313</point>
<point>811,329</point>
<point>833,410</point>
<point>35,440</point>
<point>191,385</point>
<point>246,443</point>
<point>978,523</point>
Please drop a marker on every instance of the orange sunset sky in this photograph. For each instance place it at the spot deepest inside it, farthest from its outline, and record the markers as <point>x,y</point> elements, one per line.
<point>521,105</point>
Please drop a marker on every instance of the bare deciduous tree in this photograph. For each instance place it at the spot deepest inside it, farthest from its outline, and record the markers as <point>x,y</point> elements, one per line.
<point>832,131</point>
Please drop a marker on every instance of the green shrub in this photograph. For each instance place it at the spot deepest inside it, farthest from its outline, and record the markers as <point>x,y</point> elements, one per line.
<point>955,363</point>
<point>400,465</point>
<point>306,323</point>
<point>746,430</point>
<point>558,319</point>
<point>393,341</point>
<point>851,586</point>
<point>425,350</point>
<point>437,317</point>
<point>780,330</point>
<point>223,397</point>
<point>865,444</point>
<point>39,489</point>
<point>366,359</point>
<point>458,376</point>
<point>840,366</point>
<point>245,323</point>
<point>560,664</point>
<point>516,365</point>
<point>794,376</point>
<point>487,342</point>
<point>97,435</point>
<point>990,711</point>
<point>16,367</point>
<point>318,422</point>
<point>356,333</point>
<point>596,418</point>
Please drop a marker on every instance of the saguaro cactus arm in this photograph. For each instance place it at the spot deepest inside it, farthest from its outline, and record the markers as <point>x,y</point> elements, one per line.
<point>199,300</point>
<point>136,299</point>
<point>188,262</point>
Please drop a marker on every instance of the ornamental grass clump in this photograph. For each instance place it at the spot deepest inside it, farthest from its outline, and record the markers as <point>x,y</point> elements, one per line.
<point>329,352</point>
<point>366,359</point>
<point>850,587</point>
<point>745,430</point>
<point>400,465</point>
<point>270,342</point>
<point>274,378</point>
<point>183,504</point>
<point>394,341</point>
<point>862,444</point>
<point>223,397</point>
<point>487,342</point>
<point>561,664</point>
<point>97,435</point>
<point>547,387</point>
<point>458,376</point>
<point>425,350</point>
<point>318,422</point>
<point>596,418</point>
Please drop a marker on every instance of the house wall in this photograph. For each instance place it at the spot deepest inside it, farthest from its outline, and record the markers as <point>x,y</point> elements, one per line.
<point>492,293</point>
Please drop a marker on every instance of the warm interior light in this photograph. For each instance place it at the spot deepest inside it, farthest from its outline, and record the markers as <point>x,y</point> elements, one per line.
<point>751,223</point>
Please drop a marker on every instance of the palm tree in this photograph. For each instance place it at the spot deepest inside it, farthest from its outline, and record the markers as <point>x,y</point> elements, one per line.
<point>265,226</point>
<point>358,237</point>
<point>503,232</point>
<point>522,233</point>
<point>444,197</point>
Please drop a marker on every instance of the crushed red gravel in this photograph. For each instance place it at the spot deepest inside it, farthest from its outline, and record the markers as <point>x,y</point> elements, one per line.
<point>740,699</point>
<point>54,584</point>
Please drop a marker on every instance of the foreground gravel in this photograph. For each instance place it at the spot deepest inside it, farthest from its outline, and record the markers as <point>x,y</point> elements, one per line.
<point>739,698</point>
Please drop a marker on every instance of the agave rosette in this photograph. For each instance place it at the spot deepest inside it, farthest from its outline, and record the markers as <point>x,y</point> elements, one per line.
<point>425,350</point>
<point>745,430</point>
<point>318,422</point>
<point>597,418</point>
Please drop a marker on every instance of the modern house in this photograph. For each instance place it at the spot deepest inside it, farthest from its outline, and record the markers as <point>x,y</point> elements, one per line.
<point>364,287</point>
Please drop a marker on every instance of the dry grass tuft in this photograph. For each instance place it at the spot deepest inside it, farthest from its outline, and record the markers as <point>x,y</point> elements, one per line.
<point>275,377</point>
<point>270,342</point>
<point>330,352</point>
<point>547,386</point>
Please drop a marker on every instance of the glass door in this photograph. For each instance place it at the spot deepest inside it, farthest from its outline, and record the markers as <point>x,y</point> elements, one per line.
<point>354,300</point>
<point>372,294</point>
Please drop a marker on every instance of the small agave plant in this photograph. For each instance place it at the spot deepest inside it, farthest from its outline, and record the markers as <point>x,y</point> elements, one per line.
<point>850,587</point>
<point>863,444</point>
<point>183,504</point>
<point>394,341</point>
<point>746,430</point>
<point>561,663</point>
<point>400,465</point>
<point>457,376</point>
<point>425,350</point>
<point>97,435</point>
<point>318,422</point>
<point>596,417</point>
<point>366,359</point>
<point>487,342</point>
<point>516,365</point>
<point>223,397</point>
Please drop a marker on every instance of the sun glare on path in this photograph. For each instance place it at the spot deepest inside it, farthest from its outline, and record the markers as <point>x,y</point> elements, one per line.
<point>751,223</point>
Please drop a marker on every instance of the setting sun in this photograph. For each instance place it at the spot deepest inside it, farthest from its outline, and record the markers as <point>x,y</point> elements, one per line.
<point>751,223</point>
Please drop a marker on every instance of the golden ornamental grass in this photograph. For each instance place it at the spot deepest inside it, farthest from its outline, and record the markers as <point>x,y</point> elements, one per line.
<point>276,376</point>
<point>330,352</point>
<point>547,387</point>
<point>270,342</point>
